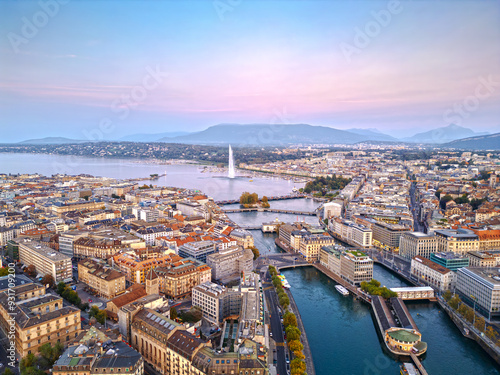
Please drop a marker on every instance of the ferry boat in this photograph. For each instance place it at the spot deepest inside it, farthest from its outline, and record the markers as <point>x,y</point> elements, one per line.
<point>408,369</point>
<point>342,290</point>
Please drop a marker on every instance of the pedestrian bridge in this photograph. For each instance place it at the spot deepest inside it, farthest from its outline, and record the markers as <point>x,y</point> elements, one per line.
<point>415,292</point>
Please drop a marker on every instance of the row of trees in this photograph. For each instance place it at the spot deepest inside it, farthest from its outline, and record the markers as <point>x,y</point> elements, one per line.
<point>373,288</point>
<point>293,333</point>
<point>468,314</point>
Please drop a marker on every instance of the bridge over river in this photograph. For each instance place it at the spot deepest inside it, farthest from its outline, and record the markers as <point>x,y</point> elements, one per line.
<point>276,210</point>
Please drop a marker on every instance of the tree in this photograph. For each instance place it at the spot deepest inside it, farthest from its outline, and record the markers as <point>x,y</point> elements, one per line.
<point>289,319</point>
<point>292,333</point>
<point>264,199</point>
<point>479,323</point>
<point>31,270</point>
<point>255,252</point>
<point>284,301</point>
<point>61,287</point>
<point>4,271</point>
<point>454,302</point>
<point>26,362</point>
<point>8,371</point>
<point>295,345</point>
<point>298,354</point>
<point>444,200</point>
<point>297,366</point>
<point>447,295</point>
<point>173,313</point>
<point>48,280</point>
<point>491,333</point>
<point>101,316</point>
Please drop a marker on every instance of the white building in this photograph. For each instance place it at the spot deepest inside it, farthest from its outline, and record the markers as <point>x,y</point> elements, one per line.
<point>432,273</point>
<point>332,209</point>
<point>417,243</point>
<point>482,286</point>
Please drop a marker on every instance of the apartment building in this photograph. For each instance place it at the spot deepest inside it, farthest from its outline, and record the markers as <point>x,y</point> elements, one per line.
<point>38,320</point>
<point>216,301</point>
<point>414,244</point>
<point>102,279</point>
<point>484,259</point>
<point>89,247</point>
<point>229,263</point>
<point>350,232</point>
<point>243,237</point>
<point>60,208</point>
<point>198,250</point>
<point>136,269</point>
<point>311,245</point>
<point>6,235</point>
<point>179,278</point>
<point>432,273</point>
<point>149,235</point>
<point>459,241</point>
<point>67,240</point>
<point>352,266</point>
<point>488,239</point>
<point>46,260</point>
<point>388,234</point>
<point>480,287</point>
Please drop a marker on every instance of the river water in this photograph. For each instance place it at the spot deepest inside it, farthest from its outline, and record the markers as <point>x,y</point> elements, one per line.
<point>341,331</point>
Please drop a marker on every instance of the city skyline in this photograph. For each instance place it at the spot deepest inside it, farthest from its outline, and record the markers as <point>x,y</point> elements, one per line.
<point>400,67</point>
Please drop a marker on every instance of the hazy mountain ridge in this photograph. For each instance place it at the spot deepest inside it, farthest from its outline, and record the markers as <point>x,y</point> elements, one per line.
<point>442,135</point>
<point>481,142</point>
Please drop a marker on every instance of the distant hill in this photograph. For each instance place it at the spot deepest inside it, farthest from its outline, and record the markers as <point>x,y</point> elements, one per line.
<point>442,135</point>
<point>144,137</point>
<point>269,134</point>
<point>482,142</point>
<point>373,134</point>
<point>51,141</point>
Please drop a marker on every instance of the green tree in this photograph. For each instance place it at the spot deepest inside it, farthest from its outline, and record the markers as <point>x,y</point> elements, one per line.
<point>8,371</point>
<point>61,287</point>
<point>292,333</point>
<point>4,271</point>
<point>173,313</point>
<point>26,362</point>
<point>454,302</point>
<point>255,252</point>
<point>289,319</point>
<point>284,301</point>
<point>444,200</point>
<point>447,295</point>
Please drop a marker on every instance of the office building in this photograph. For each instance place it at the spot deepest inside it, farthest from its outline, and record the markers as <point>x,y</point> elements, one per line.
<point>450,260</point>
<point>434,274</point>
<point>480,287</point>
<point>414,244</point>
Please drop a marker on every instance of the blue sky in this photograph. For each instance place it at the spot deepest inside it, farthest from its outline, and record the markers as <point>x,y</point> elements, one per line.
<point>91,69</point>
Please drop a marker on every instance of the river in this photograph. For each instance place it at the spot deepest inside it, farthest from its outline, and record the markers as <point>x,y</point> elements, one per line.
<point>341,330</point>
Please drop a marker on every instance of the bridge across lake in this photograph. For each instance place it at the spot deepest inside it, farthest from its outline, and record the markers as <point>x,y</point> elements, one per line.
<point>271,198</point>
<point>276,210</point>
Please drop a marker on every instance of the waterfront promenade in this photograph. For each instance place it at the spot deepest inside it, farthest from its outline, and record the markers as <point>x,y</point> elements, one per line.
<point>303,337</point>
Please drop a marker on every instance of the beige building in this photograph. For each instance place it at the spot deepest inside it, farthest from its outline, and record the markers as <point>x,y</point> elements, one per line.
<point>60,209</point>
<point>179,279</point>
<point>484,259</point>
<point>46,260</point>
<point>352,266</point>
<point>88,247</point>
<point>105,281</point>
<point>388,234</point>
<point>38,320</point>
<point>432,273</point>
<point>459,241</point>
<point>311,245</point>
<point>229,263</point>
<point>412,244</point>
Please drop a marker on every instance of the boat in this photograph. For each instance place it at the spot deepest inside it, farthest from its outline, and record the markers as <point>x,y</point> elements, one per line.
<point>342,290</point>
<point>250,180</point>
<point>408,369</point>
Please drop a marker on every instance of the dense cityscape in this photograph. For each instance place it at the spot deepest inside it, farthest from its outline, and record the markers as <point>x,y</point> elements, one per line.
<point>264,187</point>
<point>122,274</point>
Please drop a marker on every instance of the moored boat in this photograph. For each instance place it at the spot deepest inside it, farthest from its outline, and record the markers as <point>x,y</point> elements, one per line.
<point>342,290</point>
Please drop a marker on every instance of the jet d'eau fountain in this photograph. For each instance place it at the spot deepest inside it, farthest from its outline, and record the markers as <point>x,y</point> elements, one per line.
<point>230,173</point>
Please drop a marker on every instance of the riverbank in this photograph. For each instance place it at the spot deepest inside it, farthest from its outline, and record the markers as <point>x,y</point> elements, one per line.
<point>303,337</point>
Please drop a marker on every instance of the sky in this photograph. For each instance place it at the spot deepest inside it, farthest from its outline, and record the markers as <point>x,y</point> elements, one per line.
<point>106,69</point>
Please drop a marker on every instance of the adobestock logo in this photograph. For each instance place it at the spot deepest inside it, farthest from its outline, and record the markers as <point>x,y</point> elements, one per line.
<point>31,26</point>
<point>126,102</point>
<point>460,111</point>
<point>363,37</point>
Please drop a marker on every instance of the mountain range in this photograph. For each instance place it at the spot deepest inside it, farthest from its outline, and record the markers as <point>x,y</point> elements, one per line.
<point>303,134</point>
